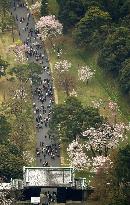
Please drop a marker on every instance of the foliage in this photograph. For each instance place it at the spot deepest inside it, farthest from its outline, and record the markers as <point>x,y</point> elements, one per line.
<point>25,72</point>
<point>124,76</point>
<point>10,164</point>
<point>115,50</point>
<point>3,66</point>
<point>70,119</point>
<point>113,187</point>
<point>5,129</point>
<point>70,12</point>
<point>44,7</point>
<point>5,6</point>
<point>122,165</point>
<point>90,26</point>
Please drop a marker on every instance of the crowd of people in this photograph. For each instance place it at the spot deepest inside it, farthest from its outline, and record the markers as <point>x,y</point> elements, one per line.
<point>47,150</point>
<point>49,197</point>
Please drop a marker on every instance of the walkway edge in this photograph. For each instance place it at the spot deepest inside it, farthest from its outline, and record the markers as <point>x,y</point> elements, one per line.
<point>54,87</point>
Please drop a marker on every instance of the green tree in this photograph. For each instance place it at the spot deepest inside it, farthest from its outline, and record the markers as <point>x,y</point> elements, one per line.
<point>91,26</point>
<point>25,71</point>
<point>3,66</point>
<point>71,118</point>
<point>117,8</point>
<point>112,186</point>
<point>44,8</point>
<point>70,12</point>
<point>124,76</point>
<point>115,50</point>
<point>5,129</point>
<point>11,165</point>
<point>5,6</point>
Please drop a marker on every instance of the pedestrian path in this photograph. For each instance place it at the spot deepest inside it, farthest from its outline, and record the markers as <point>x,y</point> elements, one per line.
<point>47,150</point>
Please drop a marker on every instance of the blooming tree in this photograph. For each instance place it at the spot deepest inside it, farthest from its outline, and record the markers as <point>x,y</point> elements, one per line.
<point>20,93</point>
<point>104,138</point>
<point>35,8</point>
<point>65,79</point>
<point>113,106</point>
<point>77,156</point>
<point>73,93</point>
<point>94,153</point>
<point>85,73</point>
<point>6,197</point>
<point>97,103</point>
<point>62,66</point>
<point>49,27</point>
<point>79,160</point>
<point>100,162</point>
<point>19,51</point>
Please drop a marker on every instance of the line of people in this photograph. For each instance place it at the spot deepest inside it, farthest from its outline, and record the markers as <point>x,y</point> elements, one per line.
<point>42,93</point>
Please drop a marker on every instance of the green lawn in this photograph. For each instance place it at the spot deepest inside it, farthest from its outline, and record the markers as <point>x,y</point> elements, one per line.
<point>7,85</point>
<point>5,42</point>
<point>101,86</point>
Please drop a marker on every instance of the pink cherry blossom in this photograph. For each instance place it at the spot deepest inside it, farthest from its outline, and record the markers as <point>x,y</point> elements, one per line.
<point>77,157</point>
<point>106,137</point>
<point>49,27</point>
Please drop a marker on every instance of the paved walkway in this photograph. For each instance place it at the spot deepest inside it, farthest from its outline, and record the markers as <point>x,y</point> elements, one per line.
<point>24,27</point>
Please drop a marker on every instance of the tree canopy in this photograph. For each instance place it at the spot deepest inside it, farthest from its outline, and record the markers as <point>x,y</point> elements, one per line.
<point>5,129</point>
<point>70,12</point>
<point>115,50</point>
<point>90,26</point>
<point>70,119</point>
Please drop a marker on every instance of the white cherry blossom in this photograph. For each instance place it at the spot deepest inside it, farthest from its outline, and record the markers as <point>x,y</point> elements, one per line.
<point>78,158</point>
<point>62,66</point>
<point>85,73</point>
<point>35,8</point>
<point>49,27</point>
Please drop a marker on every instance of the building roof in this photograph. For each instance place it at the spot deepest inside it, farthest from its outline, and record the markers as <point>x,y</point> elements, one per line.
<point>48,176</point>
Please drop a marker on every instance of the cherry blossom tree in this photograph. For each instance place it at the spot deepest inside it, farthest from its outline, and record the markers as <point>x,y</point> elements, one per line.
<point>104,138</point>
<point>6,196</point>
<point>49,27</point>
<point>94,152</point>
<point>80,161</point>
<point>99,162</point>
<point>78,158</point>
<point>62,66</point>
<point>65,79</point>
<point>73,93</point>
<point>97,103</point>
<point>85,73</point>
<point>19,51</point>
<point>113,106</point>
<point>35,8</point>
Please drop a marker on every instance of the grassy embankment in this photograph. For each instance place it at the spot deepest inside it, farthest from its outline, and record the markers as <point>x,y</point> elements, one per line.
<point>102,86</point>
<point>6,84</point>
